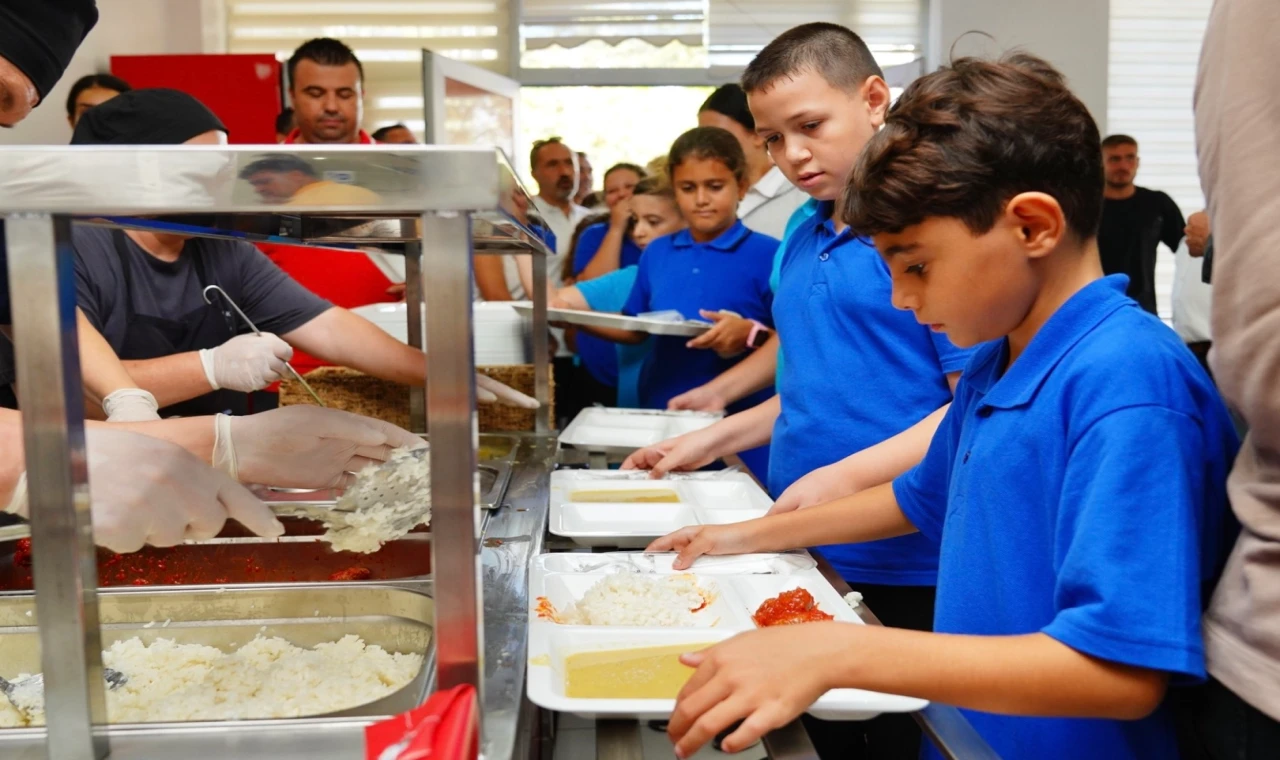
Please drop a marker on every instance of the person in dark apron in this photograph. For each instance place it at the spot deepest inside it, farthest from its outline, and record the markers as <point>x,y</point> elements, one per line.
<point>150,337</point>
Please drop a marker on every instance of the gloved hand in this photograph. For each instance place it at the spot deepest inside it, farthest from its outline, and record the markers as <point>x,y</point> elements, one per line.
<point>246,362</point>
<point>147,491</point>
<point>489,391</point>
<point>303,446</point>
<point>131,405</point>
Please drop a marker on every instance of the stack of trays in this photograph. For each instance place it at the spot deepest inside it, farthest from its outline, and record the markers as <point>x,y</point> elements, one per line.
<point>501,334</point>
<point>734,587</point>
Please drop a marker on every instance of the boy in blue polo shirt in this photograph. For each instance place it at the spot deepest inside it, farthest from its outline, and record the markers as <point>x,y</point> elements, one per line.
<point>1076,486</point>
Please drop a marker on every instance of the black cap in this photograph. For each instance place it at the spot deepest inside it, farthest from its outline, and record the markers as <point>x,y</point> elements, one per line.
<point>146,117</point>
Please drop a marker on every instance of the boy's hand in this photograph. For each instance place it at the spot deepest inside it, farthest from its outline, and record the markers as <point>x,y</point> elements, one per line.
<point>699,540</point>
<point>766,678</point>
<point>818,487</point>
<point>729,336</point>
<point>680,454</point>
<point>700,399</point>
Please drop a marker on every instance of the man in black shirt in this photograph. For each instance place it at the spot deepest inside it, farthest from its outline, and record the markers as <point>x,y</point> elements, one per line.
<point>1134,221</point>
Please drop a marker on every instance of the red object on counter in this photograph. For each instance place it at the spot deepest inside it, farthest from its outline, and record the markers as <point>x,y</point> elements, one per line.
<point>446,727</point>
<point>789,608</point>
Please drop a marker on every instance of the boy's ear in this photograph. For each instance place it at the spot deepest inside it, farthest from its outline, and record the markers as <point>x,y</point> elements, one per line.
<point>1037,222</point>
<point>875,91</point>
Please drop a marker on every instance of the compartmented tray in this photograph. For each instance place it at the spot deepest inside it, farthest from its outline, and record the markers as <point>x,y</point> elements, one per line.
<point>622,431</point>
<point>683,328</point>
<point>737,586</point>
<point>583,509</point>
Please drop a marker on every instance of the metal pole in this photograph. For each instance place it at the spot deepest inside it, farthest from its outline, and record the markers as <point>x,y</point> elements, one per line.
<point>451,419</point>
<point>541,361</point>
<point>413,302</point>
<point>66,576</point>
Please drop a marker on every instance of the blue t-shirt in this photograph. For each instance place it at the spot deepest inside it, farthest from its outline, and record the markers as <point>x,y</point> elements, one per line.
<point>798,217</point>
<point>600,356</point>
<point>859,371</point>
<point>731,273</point>
<point>609,293</point>
<point>1081,493</point>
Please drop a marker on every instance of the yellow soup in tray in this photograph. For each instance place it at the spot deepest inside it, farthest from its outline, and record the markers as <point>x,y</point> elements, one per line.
<point>626,496</point>
<point>640,673</point>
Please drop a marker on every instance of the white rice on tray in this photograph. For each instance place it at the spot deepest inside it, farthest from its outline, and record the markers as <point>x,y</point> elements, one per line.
<point>382,496</point>
<point>266,678</point>
<point>632,599</point>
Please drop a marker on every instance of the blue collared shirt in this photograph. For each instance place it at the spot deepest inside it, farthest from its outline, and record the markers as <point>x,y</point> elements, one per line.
<point>600,356</point>
<point>858,372</point>
<point>1081,493</point>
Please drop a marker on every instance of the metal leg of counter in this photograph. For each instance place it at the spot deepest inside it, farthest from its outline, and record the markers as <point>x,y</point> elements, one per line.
<point>618,740</point>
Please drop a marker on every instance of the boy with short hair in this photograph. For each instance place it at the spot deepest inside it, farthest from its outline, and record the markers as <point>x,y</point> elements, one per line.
<point>1076,485</point>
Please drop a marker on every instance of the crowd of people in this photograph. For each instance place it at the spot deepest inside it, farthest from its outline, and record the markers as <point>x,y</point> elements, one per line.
<point>932,334</point>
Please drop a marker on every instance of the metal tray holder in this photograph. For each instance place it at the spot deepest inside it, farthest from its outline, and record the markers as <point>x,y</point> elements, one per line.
<point>438,203</point>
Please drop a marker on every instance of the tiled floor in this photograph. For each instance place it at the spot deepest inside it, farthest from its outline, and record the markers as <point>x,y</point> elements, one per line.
<point>576,740</point>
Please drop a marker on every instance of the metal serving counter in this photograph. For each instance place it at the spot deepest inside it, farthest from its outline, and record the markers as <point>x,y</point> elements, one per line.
<point>435,205</point>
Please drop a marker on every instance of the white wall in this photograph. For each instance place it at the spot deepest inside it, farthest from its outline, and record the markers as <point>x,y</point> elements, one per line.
<point>125,27</point>
<point>1071,34</point>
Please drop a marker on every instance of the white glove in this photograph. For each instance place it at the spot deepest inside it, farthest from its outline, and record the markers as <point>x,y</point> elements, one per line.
<point>303,446</point>
<point>131,405</point>
<point>147,491</point>
<point>246,362</point>
<point>489,391</point>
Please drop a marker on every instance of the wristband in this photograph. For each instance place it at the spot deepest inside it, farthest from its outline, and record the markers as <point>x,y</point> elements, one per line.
<point>758,335</point>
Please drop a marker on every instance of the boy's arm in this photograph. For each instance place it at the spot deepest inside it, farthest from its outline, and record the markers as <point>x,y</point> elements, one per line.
<point>735,433</point>
<point>769,676</point>
<point>754,373</point>
<point>613,334</point>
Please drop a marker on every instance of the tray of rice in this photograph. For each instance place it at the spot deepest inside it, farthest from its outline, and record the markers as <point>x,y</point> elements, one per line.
<point>619,432</point>
<point>606,631</point>
<point>597,508</point>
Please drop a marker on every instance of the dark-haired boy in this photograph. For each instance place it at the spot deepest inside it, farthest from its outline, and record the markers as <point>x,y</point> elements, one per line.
<point>1073,550</point>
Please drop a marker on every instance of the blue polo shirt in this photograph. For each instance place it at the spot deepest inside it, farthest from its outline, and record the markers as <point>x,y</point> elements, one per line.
<point>609,293</point>
<point>730,272</point>
<point>599,356</point>
<point>1081,494</point>
<point>858,372</point>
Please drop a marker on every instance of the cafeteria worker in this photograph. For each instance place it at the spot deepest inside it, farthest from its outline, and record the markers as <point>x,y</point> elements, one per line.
<point>145,292</point>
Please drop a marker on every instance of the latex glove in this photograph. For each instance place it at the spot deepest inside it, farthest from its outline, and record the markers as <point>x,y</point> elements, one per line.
<point>680,454</point>
<point>700,399</point>
<point>729,336</point>
<point>818,487</point>
<point>246,362</point>
<point>131,405</point>
<point>303,446</point>
<point>147,491</point>
<point>490,391</point>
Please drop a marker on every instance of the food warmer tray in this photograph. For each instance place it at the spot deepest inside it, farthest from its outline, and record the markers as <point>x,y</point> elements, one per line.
<point>593,520</point>
<point>740,584</point>
<point>620,432</point>
<point>687,328</point>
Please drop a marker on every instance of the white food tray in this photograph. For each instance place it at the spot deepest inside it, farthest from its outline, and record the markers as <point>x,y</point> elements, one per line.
<point>687,328</point>
<point>741,583</point>
<point>715,498</point>
<point>622,431</point>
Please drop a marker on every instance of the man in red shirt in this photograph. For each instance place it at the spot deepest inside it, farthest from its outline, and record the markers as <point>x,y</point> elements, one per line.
<point>326,85</point>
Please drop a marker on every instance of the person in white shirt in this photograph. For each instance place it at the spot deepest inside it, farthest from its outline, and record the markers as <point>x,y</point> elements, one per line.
<point>1192,296</point>
<point>770,197</point>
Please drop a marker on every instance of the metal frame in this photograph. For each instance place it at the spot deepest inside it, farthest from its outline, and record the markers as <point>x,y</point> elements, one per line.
<point>461,197</point>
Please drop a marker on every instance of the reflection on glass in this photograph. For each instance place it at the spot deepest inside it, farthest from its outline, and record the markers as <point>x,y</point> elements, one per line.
<point>478,117</point>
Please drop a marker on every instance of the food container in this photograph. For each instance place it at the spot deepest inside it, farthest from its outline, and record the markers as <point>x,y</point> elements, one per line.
<point>398,619</point>
<point>583,511</point>
<point>739,585</point>
<point>620,432</point>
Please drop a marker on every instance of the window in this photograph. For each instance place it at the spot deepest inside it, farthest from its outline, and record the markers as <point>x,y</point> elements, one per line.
<point>1154,52</point>
<point>388,37</point>
<point>551,31</point>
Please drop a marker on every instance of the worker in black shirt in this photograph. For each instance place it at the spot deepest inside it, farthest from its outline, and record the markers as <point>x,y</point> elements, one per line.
<point>1134,221</point>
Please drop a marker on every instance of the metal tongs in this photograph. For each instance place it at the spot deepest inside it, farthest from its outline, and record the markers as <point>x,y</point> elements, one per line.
<point>256,331</point>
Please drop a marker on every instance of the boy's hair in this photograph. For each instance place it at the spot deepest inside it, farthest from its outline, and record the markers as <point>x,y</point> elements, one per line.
<point>962,141</point>
<point>637,170</point>
<point>539,145</point>
<point>656,186</point>
<point>832,51</point>
<point>731,100</point>
<point>381,133</point>
<point>709,143</point>
<point>325,51</point>
<point>1115,141</point>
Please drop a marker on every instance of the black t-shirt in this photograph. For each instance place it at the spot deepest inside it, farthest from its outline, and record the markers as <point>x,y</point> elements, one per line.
<point>1131,229</point>
<point>39,37</point>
